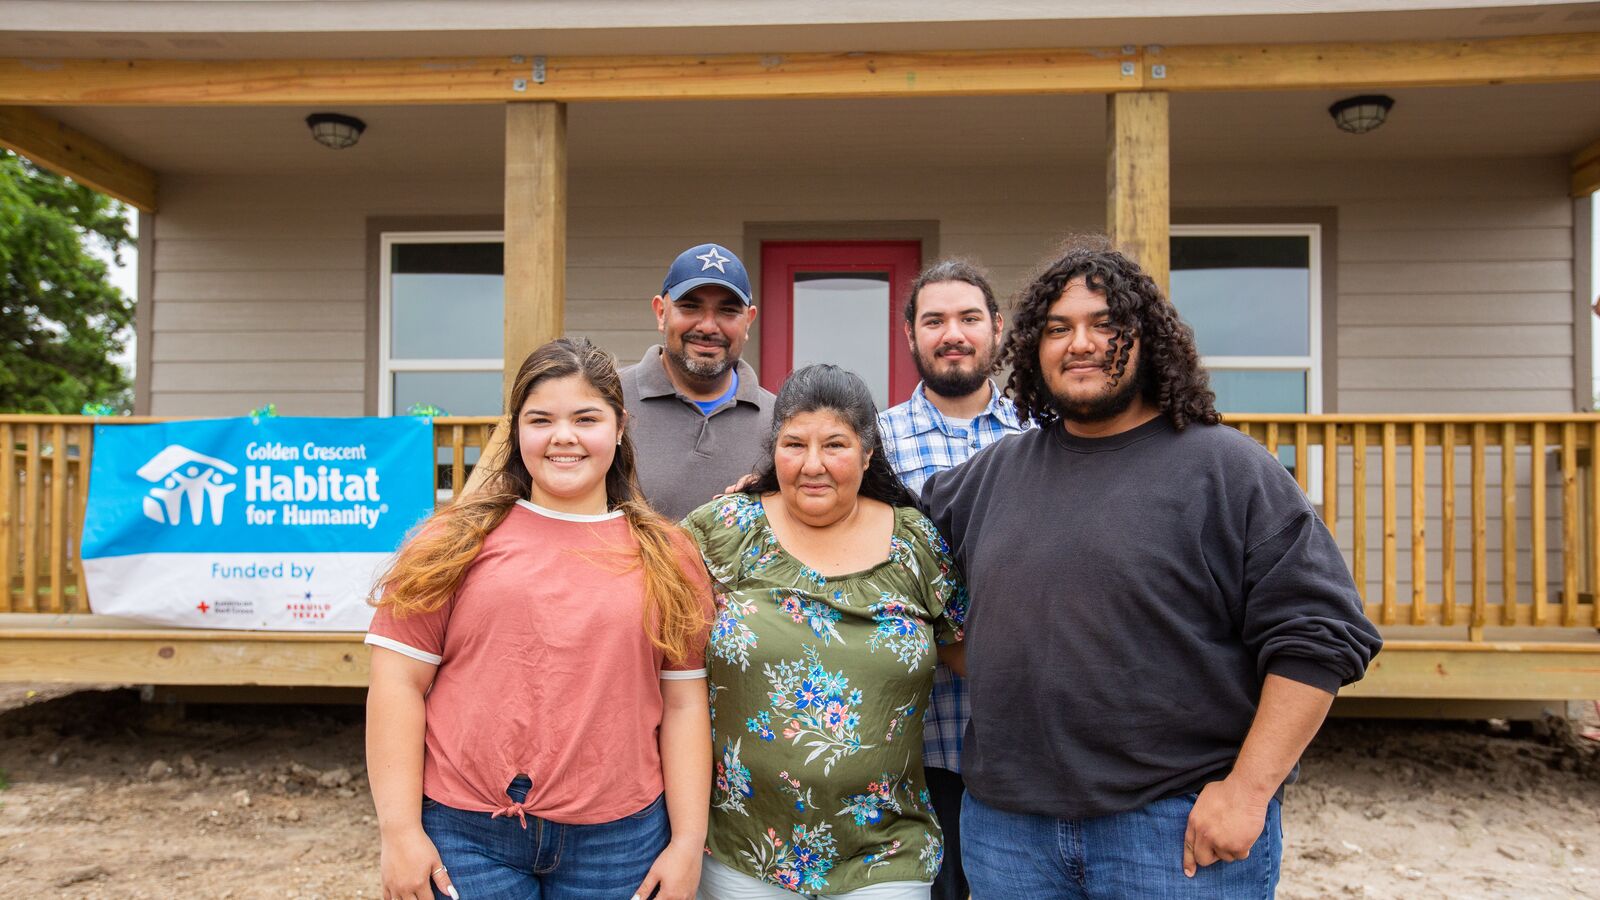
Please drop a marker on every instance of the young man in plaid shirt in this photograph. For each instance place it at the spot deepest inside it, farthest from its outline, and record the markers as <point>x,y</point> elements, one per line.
<point>953,326</point>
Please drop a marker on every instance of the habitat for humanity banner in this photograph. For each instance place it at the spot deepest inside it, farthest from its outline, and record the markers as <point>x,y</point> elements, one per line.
<point>273,523</point>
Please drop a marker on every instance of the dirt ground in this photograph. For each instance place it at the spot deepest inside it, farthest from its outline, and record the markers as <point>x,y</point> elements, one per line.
<point>104,796</point>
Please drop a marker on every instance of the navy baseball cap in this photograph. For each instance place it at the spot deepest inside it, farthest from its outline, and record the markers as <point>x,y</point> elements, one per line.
<point>707,264</point>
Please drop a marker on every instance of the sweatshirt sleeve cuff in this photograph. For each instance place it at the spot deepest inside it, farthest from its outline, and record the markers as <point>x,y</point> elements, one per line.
<point>1306,671</point>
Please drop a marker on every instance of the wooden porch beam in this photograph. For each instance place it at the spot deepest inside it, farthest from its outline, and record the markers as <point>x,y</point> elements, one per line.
<point>535,229</point>
<point>1586,171</point>
<point>67,151</point>
<point>571,79</point>
<point>1138,182</point>
<point>1530,59</point>
<point>500,79</point>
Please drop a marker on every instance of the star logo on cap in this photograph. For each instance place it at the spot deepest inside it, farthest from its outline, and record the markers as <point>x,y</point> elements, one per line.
<point>713,258</point>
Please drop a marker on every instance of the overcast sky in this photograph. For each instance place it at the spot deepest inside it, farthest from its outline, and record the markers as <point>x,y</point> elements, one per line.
<point>126,278</point>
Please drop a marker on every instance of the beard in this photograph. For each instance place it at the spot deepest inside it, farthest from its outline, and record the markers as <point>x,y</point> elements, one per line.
<point>955,381</point>
<point>699,368</point>
<point>1112,402</point>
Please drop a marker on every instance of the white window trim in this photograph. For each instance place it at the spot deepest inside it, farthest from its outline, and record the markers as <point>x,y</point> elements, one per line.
<point>1311,363</point>
<point>442,365</point>
<point>387,365</point>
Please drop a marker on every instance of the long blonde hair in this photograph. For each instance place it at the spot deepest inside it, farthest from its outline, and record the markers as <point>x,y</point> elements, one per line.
<point>431,565</point>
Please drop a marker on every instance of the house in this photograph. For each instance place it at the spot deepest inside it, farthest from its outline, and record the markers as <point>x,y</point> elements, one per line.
<point>527,170</point>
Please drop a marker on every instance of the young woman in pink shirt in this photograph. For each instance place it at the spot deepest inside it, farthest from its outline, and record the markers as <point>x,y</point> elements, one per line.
<point>538,723</point>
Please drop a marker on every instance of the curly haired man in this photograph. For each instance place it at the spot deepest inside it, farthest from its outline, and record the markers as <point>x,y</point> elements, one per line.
<point>1164,619</point>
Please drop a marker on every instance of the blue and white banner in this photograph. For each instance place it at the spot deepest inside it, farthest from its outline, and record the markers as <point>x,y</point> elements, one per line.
<point>274,523</point>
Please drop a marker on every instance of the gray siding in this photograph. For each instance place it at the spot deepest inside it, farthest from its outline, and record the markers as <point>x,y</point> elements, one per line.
<point>260,289</point>
<point>1426,250</point>
<point>1454,276</point>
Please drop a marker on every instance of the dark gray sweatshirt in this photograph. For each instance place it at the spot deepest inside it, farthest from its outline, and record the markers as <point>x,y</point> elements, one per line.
<point>1129,594</point>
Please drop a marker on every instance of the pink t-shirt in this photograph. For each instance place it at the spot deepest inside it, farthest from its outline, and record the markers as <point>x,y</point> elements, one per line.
<point>545,669</point>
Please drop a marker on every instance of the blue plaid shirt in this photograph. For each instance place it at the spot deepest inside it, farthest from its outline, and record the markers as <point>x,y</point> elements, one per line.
<point>919,441</point>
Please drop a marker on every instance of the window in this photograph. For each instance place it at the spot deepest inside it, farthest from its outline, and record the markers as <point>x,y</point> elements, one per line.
<point>1253,294</point>
<point>441,322</point>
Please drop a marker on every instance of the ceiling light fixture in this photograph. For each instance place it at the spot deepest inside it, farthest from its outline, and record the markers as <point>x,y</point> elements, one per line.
<point>1359,115</point>
<point>335,131</point>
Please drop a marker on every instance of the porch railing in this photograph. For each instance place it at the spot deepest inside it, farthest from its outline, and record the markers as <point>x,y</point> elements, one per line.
<point>1461,521</point>
<point>1446,520</point>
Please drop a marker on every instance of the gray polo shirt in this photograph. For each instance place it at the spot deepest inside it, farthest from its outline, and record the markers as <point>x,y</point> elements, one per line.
<point>686,458</point>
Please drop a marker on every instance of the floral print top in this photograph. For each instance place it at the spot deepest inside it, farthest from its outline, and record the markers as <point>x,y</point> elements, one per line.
<point>818,686</point>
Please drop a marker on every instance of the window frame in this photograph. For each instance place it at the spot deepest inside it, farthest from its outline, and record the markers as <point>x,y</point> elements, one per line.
<point>1311,363</point>
<point>388,366</point>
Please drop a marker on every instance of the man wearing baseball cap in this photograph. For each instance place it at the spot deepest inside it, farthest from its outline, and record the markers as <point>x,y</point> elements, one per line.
<point>697,412</point>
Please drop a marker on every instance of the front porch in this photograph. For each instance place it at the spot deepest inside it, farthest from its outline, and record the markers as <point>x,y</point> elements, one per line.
<point>1477,564</point>
<point>1448,239</point>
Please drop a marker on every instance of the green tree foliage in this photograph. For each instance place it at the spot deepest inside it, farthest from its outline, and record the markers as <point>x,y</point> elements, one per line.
<point>61,319</point>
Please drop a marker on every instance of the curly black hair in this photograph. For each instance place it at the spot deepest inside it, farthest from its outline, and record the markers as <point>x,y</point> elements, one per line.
<point>1170,374</point>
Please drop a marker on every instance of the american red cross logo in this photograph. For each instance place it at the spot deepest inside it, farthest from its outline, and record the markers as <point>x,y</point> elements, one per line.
<point>203,607</point>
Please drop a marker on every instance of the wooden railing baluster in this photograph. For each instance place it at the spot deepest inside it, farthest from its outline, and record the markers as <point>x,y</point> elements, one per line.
<point>1390,579</point>
<point>1330,478</point>
<point>1508,523</point>
<point>85,465</point>
<point>1537,510</point>
<point>10,528</point>
<point>58,517</point>
<point>1419,512</point>
<point>1569,524</point>
<point>1594,523</point>
<point>433,470</point>
<point>1480,531</point>
<point>1447,523</point>
<point>1302,457</point>
<point>458,460</point>
<point>32,549</point>
<point>1358,507</point>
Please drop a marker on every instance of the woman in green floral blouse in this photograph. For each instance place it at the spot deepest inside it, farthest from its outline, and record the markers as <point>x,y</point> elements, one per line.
<point>833,594</point>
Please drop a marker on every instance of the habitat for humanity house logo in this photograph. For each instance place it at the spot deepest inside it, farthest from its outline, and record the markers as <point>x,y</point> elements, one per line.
<point>184,477</point>
<point>241,486</point>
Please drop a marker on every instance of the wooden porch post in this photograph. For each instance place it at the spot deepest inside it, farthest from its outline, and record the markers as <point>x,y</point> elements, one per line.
<point>535,246</point>
<point>536,228</point>
<point>1138,184</point>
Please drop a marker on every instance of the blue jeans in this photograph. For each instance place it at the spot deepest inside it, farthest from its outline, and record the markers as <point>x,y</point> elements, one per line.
<point>494,858</point>
<point>1136,854</point>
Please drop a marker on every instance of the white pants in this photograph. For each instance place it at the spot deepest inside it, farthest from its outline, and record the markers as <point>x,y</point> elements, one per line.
<point>719,882</point>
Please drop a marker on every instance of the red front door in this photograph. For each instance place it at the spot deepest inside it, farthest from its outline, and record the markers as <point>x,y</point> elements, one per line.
<point>839,302</point>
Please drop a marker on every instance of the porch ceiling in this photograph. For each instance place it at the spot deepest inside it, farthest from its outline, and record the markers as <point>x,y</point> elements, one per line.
<point>238,29</point>
<point>1500,121</point>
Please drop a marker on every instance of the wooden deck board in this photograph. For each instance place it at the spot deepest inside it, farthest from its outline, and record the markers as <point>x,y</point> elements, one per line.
<point>1567,668</point>
<point>86,655</point>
